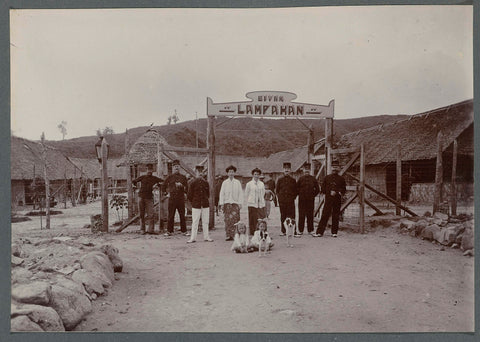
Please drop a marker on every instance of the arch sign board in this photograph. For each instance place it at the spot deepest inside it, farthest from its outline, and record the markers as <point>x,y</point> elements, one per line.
<point>270,104</point>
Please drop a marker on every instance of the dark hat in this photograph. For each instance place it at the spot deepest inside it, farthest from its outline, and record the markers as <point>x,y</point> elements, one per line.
<point>231,167</point>
<point>307,166</point>
<point>287,165</point>
<point>175,162</point>
<point>256,170</point>
<point>199,167</point>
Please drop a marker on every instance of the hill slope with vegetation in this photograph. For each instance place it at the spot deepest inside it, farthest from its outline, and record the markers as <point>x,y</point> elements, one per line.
<point>248,137</point>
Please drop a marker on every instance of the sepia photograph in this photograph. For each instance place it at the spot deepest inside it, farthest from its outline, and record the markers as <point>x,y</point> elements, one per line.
<point>332,146</point>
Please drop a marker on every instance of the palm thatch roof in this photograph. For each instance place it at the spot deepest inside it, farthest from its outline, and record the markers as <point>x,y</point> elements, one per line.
<point>417,134</point>
<point>145,149</point>
<point>26,156</point>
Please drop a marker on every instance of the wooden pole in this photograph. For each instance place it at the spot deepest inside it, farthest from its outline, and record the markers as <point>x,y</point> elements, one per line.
<point>74,192</point>
<point>328,143</point>
<point>104,186</point>
<point>310,144</point>
<point>129,177</point>
<point>47,183</point>
<point>438,175</point>
<point>454,178</point>
<point>159,174</point>
<point>361,189</point>
<point>399,179</point>
<point>211,168</point>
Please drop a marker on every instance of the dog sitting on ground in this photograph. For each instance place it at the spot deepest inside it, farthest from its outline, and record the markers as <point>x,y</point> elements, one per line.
<point>290,229</point>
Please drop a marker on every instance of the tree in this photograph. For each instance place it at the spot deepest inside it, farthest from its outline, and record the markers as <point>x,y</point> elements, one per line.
<point>108,130</point>
<point>175,117</point>
<point>169,120</point>
<point>62,126</point>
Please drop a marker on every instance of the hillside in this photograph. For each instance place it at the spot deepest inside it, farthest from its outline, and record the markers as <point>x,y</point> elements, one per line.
<point>240,136</point>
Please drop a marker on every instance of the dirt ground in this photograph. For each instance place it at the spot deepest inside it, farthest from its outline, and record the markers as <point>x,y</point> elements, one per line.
<point>381,281</point>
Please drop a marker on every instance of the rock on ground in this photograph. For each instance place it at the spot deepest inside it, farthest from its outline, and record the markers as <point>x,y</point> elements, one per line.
<point>92,283</point>
<point>467,240</point>
<point>23,323</point>
<point>100,265</point>
<point>21,275</point>
<point>71,306</point>
<point>46,317</point>
<point>112,254</point>
<point>37,292</point>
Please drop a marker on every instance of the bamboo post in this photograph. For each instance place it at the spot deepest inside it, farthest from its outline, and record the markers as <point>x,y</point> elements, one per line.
<point>104,186</point>
<point>361,189</point>
<point>438,175</point>
<point>454,178</point>
<point>310,142</point>
<point>211,169</point>
<point>47,183</point>
<point>328,144</point>
<point>159,174</point>
<point>399,179</point>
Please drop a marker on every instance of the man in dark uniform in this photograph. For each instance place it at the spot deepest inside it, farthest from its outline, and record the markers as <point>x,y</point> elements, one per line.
<point>198,194</point>
<point>308,188</point>
<point>286,190</point>
<point>176,185</point>
<point>145,201</point>
<point>334,188</point>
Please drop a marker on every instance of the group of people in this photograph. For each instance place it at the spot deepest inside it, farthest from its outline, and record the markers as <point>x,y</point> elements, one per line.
<point>257,197</point>
<point>178,189</point>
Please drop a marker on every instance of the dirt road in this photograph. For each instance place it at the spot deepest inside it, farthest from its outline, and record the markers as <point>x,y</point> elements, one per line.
<point>376,282</point>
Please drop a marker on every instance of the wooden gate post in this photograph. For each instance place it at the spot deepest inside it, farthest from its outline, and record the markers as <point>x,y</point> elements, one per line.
<point>211,168</point>
<point>361,189</point>
<point>454,178</point>
<point>310,151</point>
<point>438,175</point>
<point>104,178</point>
<point>399,179</point>
<point>328,144</point>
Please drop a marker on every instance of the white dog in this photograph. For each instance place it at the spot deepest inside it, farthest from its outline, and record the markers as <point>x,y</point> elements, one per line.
<point>290,229</point>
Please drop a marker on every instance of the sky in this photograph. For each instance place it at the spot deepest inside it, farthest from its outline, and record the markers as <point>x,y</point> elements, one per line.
<point>124,68</point>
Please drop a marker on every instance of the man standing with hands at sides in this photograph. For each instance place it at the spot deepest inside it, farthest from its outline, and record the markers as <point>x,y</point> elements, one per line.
<point>176,185</point>
<point>230,200</point>
<point>145,201</point>
<point>308,188</point>
<point>286,191</point>
<point>198,193</point>
<point>334,188</point>
<point>255,198</point>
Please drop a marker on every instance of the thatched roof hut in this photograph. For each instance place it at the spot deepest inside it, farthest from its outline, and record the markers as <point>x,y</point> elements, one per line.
<point>27,155</point>
<point>417,135</point>
<point>145,149</point>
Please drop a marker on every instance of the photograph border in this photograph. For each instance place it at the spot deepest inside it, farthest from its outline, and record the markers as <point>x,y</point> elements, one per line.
<point>5,187</point>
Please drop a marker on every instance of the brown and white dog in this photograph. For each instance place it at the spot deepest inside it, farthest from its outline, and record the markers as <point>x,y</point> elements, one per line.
<point>290,229</point>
